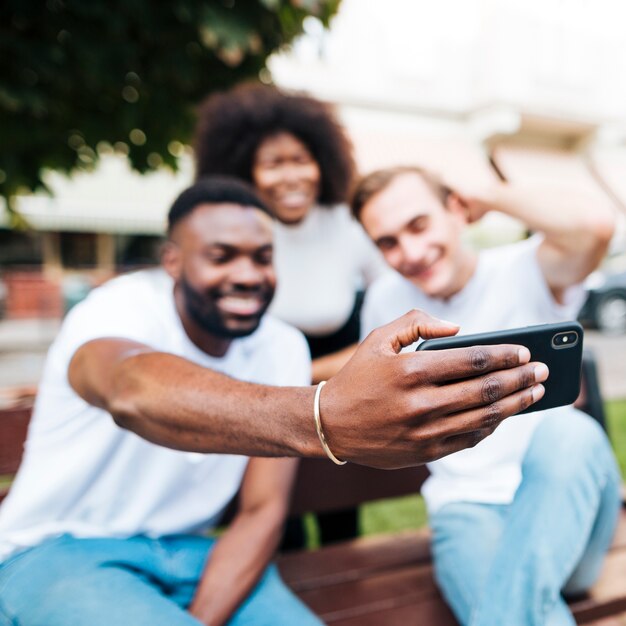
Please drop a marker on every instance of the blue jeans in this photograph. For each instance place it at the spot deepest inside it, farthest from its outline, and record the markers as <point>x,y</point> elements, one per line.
<point>509,564</point>
<point>138,581</point>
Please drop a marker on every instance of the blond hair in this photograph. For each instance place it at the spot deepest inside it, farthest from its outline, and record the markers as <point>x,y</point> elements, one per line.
<point>368,186</point>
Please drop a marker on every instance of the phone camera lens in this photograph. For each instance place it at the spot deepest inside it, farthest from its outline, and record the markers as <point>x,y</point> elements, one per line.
<point>565,340</point>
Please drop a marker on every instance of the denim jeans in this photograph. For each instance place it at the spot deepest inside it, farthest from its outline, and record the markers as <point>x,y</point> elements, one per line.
<point>139,581</point>
<point>510,564</point>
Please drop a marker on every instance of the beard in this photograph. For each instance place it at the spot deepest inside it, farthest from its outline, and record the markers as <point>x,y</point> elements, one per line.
<point>203,309</point>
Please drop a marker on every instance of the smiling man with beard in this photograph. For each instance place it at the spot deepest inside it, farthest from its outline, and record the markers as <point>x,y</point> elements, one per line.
<point>228,301</point>
<point>115,526</point>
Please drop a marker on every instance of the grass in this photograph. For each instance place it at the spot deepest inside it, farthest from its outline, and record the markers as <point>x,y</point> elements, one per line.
<point>616,425</point>
<point>5,482</point>
<point>389,516</point>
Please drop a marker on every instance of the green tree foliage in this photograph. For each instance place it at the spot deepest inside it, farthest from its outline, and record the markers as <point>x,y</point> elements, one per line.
<point>78,76</point>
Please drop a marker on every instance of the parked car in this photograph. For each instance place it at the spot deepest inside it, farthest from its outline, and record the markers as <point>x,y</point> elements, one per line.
<point>605,307</point>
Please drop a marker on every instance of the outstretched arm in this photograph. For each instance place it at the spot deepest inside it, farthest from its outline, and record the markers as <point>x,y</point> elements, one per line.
<point>577,226</point>
<point>245,549</point>
<point>383,408</point>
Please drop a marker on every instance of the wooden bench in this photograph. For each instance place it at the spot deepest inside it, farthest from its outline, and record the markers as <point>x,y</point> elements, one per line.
<point>388,580</point>
<point>371,581</point>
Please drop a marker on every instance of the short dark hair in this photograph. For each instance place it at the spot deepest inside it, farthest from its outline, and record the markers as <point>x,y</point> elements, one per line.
<point>233,124</point>
<point>213,190</point>
<point>375,182</point>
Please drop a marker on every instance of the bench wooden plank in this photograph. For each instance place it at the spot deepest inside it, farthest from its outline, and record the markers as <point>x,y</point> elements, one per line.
<point>616,620</point>
<point>323,486</point>
<point>13,428</point>
<point>378,592</point>
<point>356,559</point>
<point>409,595</point>
<point>379,580</point>
<point>432,612</point>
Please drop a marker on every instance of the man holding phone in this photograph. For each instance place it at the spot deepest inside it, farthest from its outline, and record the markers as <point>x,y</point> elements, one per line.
<point>530,511</point>
<point>156,384</point>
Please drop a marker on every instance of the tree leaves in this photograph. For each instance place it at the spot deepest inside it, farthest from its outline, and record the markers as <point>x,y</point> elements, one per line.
<point>77,77</point>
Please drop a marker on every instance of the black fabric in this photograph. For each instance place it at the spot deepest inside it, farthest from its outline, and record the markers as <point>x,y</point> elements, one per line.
<point>338,525</point>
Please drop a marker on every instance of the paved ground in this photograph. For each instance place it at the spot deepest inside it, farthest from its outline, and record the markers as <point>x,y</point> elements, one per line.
<point>23,345</point>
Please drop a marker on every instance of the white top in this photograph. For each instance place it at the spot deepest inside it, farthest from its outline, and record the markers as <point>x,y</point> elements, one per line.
<point>507,290</point>
<point>320,264</point>
<point>83,475</point>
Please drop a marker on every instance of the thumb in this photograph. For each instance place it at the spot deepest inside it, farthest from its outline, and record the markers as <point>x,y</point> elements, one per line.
<point>415,325</point>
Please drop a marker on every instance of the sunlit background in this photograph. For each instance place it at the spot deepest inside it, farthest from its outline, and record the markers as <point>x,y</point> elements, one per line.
<point>475,89</point>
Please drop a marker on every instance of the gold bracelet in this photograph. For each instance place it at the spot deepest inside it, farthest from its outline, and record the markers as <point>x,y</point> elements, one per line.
<point>318,425</point>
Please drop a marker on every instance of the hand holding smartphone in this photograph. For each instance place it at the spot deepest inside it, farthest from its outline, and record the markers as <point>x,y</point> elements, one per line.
<point>558,345</point>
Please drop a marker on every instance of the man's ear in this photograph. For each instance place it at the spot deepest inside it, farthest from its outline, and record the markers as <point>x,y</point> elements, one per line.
<point>458,207</point>
<point>171,259</point>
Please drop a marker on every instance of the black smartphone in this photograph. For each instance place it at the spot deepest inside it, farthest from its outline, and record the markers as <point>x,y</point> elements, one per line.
<point>559,346</point>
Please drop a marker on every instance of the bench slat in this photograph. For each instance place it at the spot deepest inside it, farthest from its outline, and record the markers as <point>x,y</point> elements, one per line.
<point>323,486</point>
<point>616,620</point>
<point>379,592</point>
<point>389,580</point>
<point>353,560</point>
<point>432,612</point>
<point>409,595</point>
<point>13,427</point>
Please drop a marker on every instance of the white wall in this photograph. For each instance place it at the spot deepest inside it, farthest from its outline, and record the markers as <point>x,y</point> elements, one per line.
<point>561,57</point>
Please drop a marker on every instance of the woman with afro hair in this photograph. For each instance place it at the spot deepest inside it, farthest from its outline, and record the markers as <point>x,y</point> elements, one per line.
<point>296,154</point>
<point>293,150</point>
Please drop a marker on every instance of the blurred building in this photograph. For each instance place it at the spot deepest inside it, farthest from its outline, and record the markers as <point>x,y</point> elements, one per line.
<point>92,226</point>
<point>475,89</point>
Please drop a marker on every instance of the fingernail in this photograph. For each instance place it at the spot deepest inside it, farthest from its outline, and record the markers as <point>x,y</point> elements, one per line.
<point>541,372</point>
<point>524,355</point>
<point>537,392</point>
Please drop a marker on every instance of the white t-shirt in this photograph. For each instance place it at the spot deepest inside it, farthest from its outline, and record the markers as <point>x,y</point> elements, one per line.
<point>507,290</point>
<point>320,263</point>
<point>82,474</point>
